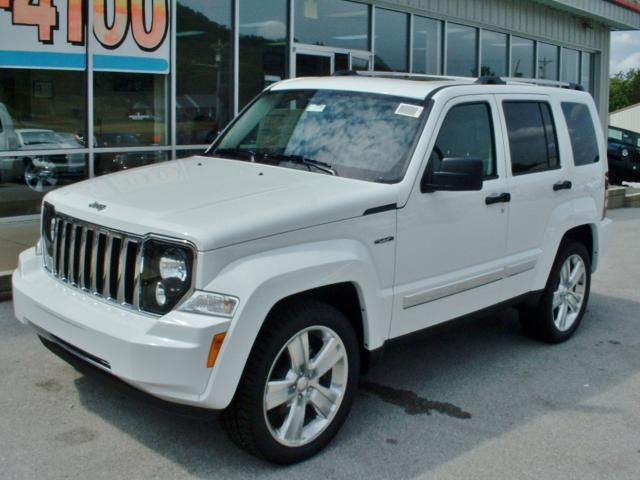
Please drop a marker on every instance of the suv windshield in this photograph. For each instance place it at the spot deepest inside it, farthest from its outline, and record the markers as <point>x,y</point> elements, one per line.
<point>358,135</point>
<point>625,136</point>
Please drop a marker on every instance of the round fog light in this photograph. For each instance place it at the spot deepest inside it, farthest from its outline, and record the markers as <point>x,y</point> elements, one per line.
<point>161,295</point>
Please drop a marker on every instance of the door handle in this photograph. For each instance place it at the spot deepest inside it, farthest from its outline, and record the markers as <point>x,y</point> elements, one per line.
<point>566,185</point>
<point>498,198</point>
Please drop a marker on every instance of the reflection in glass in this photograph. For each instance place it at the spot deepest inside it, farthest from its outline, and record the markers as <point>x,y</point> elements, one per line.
<point>50,101</point>
<point>586,75</point>
<point>522,57</point>
<point>114,162</point>
<point>312,65</point>
<point>336,23</point>
<point>357,135</point>
<point>494,54</point>
<point>392,41</point>
<point>263,46</point>
<point>548,61</point>
<point>203,69</point>
<point>462,50</point>
<point>25,179</point>
<point>359,64</point>
<point>427,45</point>
<point>130,109</point>
<point>570,65</point>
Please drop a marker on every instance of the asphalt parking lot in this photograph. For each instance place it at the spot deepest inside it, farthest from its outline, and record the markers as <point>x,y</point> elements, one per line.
<point>469,400</point>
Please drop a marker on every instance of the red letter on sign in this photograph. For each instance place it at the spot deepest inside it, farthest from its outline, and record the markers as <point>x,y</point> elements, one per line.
<point>42,15</point>
<point>75,22</point>
<point>149,39</point>
<point>6,4</point>
<point>110,36</point>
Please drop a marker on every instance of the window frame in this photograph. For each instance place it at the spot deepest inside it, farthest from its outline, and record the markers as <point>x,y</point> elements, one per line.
<point>554,125</point>
<point>492,125</point>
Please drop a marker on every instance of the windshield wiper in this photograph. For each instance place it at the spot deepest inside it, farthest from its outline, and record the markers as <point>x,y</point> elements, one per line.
<point>250,154</point>
<point>302,160</point>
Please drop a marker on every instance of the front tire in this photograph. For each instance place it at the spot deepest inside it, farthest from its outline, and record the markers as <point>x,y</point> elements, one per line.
<point>564,300</point>
<point>298,385</point>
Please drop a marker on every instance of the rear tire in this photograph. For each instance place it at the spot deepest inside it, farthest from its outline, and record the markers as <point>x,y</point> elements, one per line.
<point>298,385</point>
<point>564,300</point>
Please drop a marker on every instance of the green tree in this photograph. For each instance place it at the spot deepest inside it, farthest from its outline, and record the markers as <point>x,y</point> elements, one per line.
<point>624,90</point>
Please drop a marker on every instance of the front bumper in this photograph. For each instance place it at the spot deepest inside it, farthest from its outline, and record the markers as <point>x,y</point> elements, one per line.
<point>164,356</point>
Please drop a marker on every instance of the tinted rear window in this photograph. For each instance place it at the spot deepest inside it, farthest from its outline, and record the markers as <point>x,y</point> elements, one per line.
<point>532,137</point>
<point>582,133</point>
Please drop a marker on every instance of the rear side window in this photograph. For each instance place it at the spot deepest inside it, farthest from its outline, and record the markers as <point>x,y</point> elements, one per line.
<point>467,131</point>
<point>582,133</point>
<point>532,137</point>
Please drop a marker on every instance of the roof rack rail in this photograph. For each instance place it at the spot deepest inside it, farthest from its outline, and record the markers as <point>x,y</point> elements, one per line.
<point>410,76</point>
<point>545,83</point>
<point>483,80</point>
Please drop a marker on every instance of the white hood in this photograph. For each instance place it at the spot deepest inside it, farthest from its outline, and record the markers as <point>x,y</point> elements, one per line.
<point>214,202</point>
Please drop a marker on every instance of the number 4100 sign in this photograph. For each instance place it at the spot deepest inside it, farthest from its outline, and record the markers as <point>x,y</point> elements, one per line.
<point>126,15</point>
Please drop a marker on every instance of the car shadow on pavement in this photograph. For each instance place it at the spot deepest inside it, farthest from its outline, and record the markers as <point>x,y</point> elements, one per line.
<point>433,397</point>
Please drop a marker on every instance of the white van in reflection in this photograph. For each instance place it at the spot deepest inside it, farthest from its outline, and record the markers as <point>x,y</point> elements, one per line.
<point>40,173</point>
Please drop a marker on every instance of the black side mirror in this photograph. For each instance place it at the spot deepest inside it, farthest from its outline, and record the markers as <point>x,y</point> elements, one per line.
<point>462,174</point>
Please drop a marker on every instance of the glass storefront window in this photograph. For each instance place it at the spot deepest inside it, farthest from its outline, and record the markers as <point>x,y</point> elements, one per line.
<point>26,178</point>
<point>392,41</point>
<point>130,109</point>
<point>50,104</point>
<point>523,53</point>
<point>494,54</point>
<point>263,46</point>
<point>203,69</point>
<point>586,74</point>
<point>570,66</point>
<point>335,23</point>
<point>427,45</point>
<point>114,162</point>
<point>462,50</point>
<point>548,61</point>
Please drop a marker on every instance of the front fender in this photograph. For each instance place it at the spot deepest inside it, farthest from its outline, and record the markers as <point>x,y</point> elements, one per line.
<point>261,280</point>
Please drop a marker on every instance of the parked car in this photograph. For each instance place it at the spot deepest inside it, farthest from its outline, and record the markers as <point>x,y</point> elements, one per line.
<point>623,153</point>
<point>115,162</point>
<point>333,215</point>
<point>43,172</point>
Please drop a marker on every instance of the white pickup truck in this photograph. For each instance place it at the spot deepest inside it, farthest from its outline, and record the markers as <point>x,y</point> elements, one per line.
<point>332,215</point>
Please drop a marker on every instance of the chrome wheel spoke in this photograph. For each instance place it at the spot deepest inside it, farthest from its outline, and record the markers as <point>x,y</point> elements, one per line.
<point>279,392</point>
<point>322,404</point>
<point>330,354</point>
<point>291,429</point>
<point>562,316</point>
<point>557,300</point>
<point>577,275</point>
<point>299,352</point>
<point>573,304</point>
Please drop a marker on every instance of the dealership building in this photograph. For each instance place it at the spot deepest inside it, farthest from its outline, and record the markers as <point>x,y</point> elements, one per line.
<point>155,80</point>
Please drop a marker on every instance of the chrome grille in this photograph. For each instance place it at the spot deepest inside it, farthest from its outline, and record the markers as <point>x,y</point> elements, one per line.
<point>96,260</point>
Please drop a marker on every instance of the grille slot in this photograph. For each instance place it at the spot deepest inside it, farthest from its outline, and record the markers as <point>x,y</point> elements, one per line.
<point>98,261</point>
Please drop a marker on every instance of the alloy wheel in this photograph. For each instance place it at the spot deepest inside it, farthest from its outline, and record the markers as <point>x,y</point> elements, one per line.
<point>569,295</point>
<point>305,386</point>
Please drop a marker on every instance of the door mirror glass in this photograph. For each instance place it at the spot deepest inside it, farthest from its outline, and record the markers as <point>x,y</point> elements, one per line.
<point>455,174</point>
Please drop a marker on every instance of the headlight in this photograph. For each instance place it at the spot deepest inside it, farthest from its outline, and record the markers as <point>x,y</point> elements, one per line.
<point>166,274</point>
<point>48,228</point>
<point>207,303</point>
<point>625,152</point>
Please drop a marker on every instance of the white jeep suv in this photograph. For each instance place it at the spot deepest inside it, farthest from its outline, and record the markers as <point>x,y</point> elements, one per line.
<point>332,215</point>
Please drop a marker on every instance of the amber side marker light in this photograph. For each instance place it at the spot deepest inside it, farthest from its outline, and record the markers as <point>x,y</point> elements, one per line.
<point>216,345</point>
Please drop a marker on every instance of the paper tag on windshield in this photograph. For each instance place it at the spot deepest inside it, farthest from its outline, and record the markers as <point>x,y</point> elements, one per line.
<point>313,107</point>
<point>407,110</point>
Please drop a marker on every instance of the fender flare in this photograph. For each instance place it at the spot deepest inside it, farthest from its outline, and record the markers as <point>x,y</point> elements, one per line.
<point>261,281</point>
